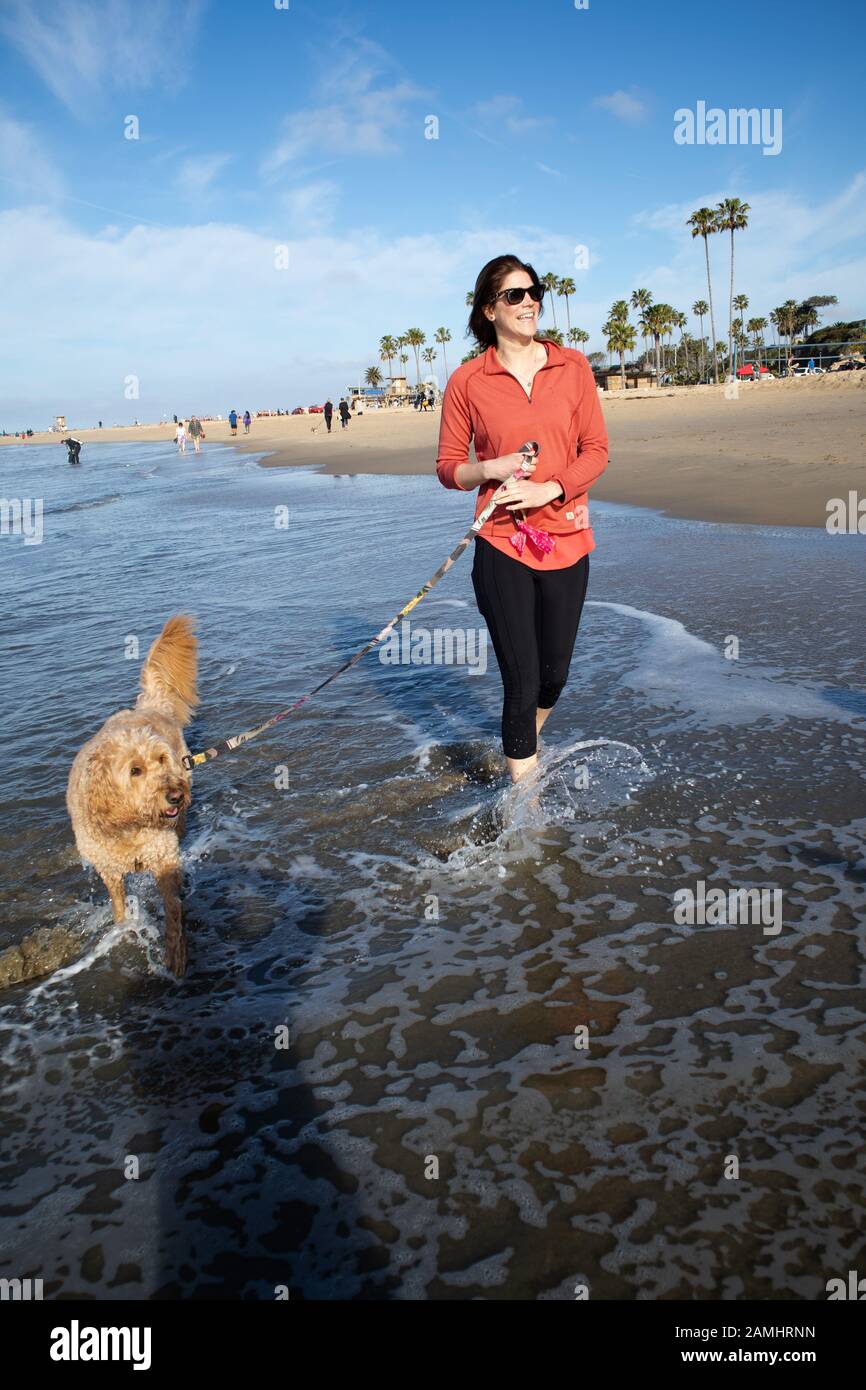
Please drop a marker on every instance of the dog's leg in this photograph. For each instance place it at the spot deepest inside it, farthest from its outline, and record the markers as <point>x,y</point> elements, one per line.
<point>116,891</point>
<point>168,883</point>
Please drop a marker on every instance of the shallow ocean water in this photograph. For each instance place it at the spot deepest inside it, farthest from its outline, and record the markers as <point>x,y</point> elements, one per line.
<point>363,886</point>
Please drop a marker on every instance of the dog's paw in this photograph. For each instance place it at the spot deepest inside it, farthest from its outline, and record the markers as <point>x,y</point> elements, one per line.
<point>175,952</point>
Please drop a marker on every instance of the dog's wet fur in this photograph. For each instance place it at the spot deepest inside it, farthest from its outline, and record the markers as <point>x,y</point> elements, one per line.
<point>128,790</point>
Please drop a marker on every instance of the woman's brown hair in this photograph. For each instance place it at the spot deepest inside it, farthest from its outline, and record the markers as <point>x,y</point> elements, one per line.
<point>487,286</point>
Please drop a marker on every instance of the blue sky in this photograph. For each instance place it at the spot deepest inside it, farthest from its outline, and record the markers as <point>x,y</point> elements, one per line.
<point>303,128</point>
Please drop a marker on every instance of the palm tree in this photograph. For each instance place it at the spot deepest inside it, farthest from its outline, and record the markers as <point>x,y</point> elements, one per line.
<point>699,308</point>
<point>621,336</point>
<point>656,320</point>
<point>732,216</point>
<point>641,300</point>
<point>387,350</point>
<point>741,304</point>
<point>443,336</point>
<point>670,324</point>
<point>756,328</point>
<point>689,343</point>
<point>577,335</point>
<point>679,321</point>
<point>662,320</point>
<point>790,320</point>
<point>551,284</point>
<point>567,288</point>
<point>607,329</point>
<point>644,330</point>
<point>470,299</point>
<point>619,311</point>
<point>373,376</point>
<point>703,223</point>
<point>785,320</point>
<point>415,339</point>
<point>552,335</point>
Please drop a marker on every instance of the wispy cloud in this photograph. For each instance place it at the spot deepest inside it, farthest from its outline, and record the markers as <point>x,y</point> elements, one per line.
<point>363,104</point>
<point>27,170</point>
<point>626,106</point>
<point>79,47</point>
<point>312,207</point>
<point>195,175</point>
<point>508,112</point>
<point>791,248</point>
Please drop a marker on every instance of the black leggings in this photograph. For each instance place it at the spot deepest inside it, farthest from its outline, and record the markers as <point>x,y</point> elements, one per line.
<point>532,616</point>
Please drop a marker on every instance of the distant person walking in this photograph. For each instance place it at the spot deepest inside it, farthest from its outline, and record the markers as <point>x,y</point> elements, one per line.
<point>344,413</point>
<point>73,450</point>
<point>180,437</point>
<point>233,421</point>
<point>248,420</point>
<point>195,432</point>
<point>329,414</point>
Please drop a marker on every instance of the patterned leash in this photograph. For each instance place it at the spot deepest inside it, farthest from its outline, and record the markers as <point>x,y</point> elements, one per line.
<point>529,451</point>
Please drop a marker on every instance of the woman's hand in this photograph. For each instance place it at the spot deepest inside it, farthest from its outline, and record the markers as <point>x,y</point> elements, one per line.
<point>518,495</point>
<point>499,469</point>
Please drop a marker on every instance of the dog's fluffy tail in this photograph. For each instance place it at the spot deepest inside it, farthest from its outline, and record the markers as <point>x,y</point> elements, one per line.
<point>168,675</point>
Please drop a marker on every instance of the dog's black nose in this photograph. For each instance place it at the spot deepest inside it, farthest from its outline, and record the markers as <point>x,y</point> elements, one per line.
<point>174,798</point>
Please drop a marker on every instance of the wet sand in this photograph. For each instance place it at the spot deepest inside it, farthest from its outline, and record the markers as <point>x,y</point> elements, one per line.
<point>775,455</point>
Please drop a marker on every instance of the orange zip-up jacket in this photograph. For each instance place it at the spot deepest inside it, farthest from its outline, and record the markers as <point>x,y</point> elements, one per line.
<point>485,402</point>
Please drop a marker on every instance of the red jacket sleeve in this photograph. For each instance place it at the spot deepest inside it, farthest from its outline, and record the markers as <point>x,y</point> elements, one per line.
<point>455,433</point>
<point>591,453</point>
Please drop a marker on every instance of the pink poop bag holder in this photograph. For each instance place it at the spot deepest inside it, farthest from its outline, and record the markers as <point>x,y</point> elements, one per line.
<point>539,541</point>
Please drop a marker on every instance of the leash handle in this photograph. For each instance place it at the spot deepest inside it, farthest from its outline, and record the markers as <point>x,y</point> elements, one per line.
<point>529,450</point>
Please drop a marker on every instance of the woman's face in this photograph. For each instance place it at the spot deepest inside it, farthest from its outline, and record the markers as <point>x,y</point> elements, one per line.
<point>517,319</point>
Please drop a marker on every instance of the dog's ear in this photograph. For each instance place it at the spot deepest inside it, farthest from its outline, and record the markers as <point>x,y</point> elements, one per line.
<point>105,798</point>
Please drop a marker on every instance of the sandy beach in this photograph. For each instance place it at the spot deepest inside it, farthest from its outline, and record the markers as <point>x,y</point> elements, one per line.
<point>772,456</point>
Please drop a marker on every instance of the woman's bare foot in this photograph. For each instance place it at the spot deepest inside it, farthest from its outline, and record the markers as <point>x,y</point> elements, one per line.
<point>522,767</point>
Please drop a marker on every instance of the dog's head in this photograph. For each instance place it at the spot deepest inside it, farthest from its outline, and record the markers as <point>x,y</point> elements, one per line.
<point>136,778</point>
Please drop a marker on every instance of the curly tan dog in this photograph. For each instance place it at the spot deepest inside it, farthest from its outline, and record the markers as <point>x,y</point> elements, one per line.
<point>128,791</point>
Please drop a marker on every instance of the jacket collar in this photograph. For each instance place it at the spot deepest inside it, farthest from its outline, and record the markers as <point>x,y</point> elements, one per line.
<point>555,358</point>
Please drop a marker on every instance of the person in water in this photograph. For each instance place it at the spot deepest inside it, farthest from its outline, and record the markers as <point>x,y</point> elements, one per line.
<point>73,450</point>
<point>530,585</point>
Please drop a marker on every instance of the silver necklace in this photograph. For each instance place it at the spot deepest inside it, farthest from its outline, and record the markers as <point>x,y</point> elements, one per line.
<point>524,381</point>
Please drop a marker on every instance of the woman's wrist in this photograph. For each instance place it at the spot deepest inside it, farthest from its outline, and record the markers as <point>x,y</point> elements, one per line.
<point>556,492</point>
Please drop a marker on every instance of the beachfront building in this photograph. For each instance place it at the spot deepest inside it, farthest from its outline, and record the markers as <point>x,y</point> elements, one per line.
<point>366,397</point>
<point>59,422</point>
<point>398,389</point>
<point>610,378</point>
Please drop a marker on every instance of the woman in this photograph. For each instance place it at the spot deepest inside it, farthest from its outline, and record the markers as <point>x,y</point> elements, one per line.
<point>516,390</point>
<point>248,420</point>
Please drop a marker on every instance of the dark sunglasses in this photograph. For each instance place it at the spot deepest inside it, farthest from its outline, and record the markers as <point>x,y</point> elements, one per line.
<point>515,296</point>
